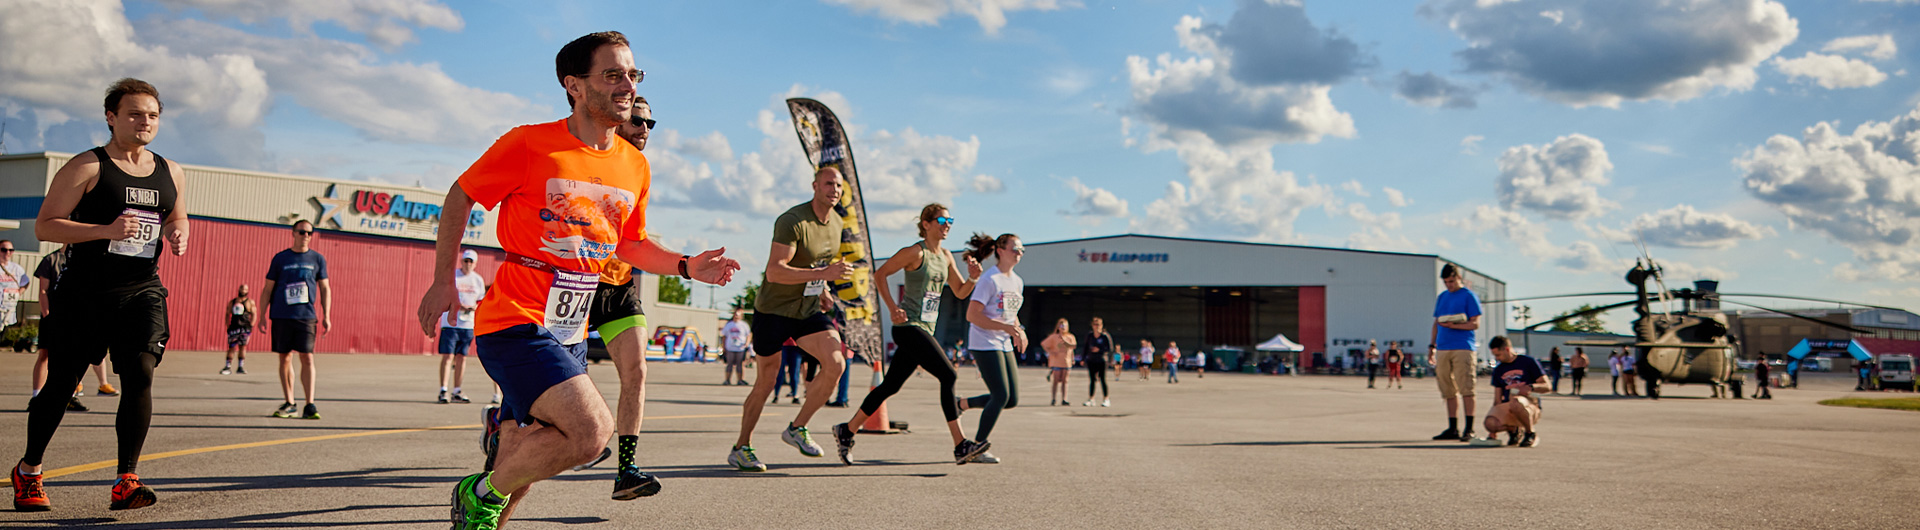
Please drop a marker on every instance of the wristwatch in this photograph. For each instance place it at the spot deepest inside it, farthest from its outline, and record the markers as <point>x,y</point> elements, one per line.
<point>683,266</point>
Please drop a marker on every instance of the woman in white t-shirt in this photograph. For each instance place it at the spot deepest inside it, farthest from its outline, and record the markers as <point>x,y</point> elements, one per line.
<point>1144,358</point>
<point>994,333</point>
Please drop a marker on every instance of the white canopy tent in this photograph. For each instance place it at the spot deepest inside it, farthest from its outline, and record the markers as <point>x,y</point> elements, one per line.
<point>1280,343</point>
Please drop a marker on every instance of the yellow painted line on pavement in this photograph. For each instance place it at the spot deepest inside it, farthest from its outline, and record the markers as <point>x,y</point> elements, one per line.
<point>103,464</point>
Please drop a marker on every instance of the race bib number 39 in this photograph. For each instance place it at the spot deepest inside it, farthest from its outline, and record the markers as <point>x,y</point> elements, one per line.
<point>814,288</point>
<point>568,301</point>
<point>930,308</point>
<point>145,243</point>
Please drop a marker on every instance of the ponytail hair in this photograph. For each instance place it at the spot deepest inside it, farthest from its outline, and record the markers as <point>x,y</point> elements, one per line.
<point>981,245</point>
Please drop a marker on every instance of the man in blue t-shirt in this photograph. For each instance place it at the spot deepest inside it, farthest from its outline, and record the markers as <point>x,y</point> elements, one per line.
<point>298,296</point>
<point>1456,313</point>
<point>1515,380</point>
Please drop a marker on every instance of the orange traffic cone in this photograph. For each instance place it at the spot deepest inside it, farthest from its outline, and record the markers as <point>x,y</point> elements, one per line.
<point>877,422</point>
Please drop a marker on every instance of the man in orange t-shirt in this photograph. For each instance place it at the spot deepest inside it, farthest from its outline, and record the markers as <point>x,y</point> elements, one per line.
<point>571,197</point>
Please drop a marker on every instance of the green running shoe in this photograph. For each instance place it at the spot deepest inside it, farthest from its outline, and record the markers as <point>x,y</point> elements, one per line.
<point>470,512</point>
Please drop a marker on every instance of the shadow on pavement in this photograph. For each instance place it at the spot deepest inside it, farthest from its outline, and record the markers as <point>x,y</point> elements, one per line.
<point>721,471</point>
<point>1296,442</point>
<point>365,478</point>
<point>265,520</point>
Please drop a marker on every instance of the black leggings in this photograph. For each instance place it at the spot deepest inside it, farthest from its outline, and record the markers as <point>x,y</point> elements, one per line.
<point>130,425</point>
<point>914,349</point>
<point>1096,373</point>
<point>1002,376</point>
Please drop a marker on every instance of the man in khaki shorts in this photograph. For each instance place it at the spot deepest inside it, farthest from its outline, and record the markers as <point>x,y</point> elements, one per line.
<point>1456,314</point>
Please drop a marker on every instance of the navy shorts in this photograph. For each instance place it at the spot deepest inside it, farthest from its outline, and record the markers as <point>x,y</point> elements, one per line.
<point>526,360</point>
<point>456,340</point>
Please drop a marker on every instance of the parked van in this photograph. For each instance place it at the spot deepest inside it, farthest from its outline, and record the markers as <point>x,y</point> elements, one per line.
<point>1896,371</point>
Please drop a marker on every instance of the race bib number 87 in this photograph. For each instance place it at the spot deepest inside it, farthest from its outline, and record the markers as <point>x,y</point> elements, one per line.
<point>568,303</point>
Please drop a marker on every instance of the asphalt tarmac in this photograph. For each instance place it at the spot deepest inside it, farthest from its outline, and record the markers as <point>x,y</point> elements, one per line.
<point>1227,450</point>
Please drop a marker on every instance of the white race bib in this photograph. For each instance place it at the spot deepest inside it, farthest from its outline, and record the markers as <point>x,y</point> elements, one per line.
<point>568,301</point>
<point>146,242</point>
<point>814,288</point>
<point>296,293</point>
<point>930,308</point>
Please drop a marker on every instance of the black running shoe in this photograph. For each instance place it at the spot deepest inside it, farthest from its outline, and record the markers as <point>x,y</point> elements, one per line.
<point>443,398</point>
<point>73,405</point>
<point>312,413</point>
<point>631,483</point>
<point>1513,438</point>
<point>1466,435</point>
<point>460,398</point>
<point>490,434</point>
<point>843,437</point>
<point>968,450</point>
<point>605,453</point>
<point>1532,439</point>
<point>1449,434</point>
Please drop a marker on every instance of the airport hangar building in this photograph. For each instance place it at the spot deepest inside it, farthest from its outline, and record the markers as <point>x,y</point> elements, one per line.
<point>1211,294</point>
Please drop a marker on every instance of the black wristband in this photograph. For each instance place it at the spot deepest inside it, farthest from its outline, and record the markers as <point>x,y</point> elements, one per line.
<point>683,267</point>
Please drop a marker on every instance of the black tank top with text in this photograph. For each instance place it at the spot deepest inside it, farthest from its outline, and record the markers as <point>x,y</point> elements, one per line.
<point>108,264</point>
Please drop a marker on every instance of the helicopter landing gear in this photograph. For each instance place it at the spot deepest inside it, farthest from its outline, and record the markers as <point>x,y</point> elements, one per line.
<point>1653,389</point>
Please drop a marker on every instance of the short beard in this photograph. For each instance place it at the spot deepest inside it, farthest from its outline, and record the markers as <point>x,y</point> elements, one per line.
<point>599,106</point>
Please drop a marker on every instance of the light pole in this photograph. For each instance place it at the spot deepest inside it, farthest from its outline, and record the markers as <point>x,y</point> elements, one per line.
<point>1524,314</point>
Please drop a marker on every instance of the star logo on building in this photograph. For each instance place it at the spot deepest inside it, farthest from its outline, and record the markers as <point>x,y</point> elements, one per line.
<point>330,206</point>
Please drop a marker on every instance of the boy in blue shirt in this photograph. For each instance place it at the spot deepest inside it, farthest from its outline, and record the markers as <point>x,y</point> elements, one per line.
<point>1456,314</point>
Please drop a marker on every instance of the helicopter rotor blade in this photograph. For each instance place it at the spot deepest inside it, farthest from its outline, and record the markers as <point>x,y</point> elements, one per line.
<point>1525,298</point>
<point>1806,318</point>
<point>1808,299</point>
<point>1578,314</point>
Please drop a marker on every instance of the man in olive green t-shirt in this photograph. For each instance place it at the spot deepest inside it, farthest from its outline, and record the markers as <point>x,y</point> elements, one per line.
<point>790,306</point>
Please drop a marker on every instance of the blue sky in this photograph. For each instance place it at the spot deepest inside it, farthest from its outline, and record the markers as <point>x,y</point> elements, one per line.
<point>1534,140</point>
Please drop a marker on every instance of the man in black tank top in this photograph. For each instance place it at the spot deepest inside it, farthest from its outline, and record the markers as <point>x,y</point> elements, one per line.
<point>112,206</point>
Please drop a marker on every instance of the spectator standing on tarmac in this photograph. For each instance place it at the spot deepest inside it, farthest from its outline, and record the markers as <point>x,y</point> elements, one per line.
<point>1172,359</point>
<point>791,305</point>
<point>49,274</point>
<point>1579,367</point>
<point>298,297</point>
<point>1144,358</point>
<point>239,314</point>
<point>1394,359</point>
<point>1613,367</point>
<point>1100,348</point>
<point>13,282</point>
<point>1373,361</point>
<point>1059,345</point>
<point>456,327</point>
<point>1629,368</point>
<point>1456,314</point>
<point>531,328</point>
<point>1762,372</point>
<point>1554,363</point>
<point>112,206</point>
<point>734,338</point>
<point>787,374</point>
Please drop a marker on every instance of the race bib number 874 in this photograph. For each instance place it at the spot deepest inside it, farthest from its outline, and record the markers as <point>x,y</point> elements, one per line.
<point>568,303</point>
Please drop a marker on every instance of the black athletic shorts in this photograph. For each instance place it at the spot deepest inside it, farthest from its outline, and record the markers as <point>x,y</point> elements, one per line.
<point>770,331</point>
<point>613,302</point>
<point>126,322</point>
<point>291,335</point>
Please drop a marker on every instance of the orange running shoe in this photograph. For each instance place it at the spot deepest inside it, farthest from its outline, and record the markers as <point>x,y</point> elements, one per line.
<point>129,493</point>
<point>28,495</point>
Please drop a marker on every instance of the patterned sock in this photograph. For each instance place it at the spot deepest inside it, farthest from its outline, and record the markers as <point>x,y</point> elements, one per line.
<point>486,492</point>
<point>627,444</point>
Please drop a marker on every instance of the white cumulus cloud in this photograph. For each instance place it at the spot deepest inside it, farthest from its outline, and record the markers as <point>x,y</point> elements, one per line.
<point>1684,227</point>
<point>1396,198</point>
<point>1560,179</point>
<point>1089,201</point>
<point>991,14</point>
<point>1602,52</point>
<point>1877,47</point>
<point>385,22</point>
<point>1830,71</point>
<point>1860,189</point>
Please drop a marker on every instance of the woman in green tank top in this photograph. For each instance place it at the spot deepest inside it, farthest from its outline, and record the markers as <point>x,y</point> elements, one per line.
<point>928,269</point>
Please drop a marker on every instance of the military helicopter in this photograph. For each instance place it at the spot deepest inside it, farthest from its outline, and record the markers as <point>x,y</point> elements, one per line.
<point>1685,346</point>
